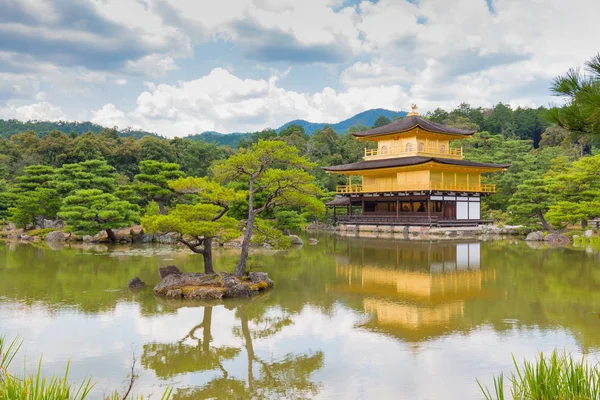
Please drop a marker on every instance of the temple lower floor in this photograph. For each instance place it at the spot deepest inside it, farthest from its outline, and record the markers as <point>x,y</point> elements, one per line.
<point>445,209</point>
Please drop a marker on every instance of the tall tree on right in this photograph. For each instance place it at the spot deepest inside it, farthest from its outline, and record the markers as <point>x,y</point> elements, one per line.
<point>581,112</point>
<point>275,170</point>
<point>577,190</point>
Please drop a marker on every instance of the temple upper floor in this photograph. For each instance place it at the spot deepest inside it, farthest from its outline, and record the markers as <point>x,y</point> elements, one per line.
<point>410,146</point>
<point>413,136</point>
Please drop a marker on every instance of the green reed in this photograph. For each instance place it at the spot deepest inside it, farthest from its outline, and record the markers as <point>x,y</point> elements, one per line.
<point>558,377</point>
<point>34,386</point>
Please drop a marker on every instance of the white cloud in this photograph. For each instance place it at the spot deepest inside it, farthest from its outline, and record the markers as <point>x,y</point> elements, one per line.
<point>153,65</point>
<point>110,116</point>
<point>224,102</point>
<point>387,53</point>
<point>36,111</point>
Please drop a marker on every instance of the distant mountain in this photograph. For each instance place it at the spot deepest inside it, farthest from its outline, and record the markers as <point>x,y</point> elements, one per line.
<point>366,118</point>
<point>42,128</point>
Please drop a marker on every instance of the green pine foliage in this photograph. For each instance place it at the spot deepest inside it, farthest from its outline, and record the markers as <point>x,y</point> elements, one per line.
<point>33,198</point>
<point>89,211</point>
<point>91,174</point>
<point>152,183</point>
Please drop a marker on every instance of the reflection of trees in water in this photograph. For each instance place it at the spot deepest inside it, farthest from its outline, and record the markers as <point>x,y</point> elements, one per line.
<point>287,378</point>
<point>171,359</point>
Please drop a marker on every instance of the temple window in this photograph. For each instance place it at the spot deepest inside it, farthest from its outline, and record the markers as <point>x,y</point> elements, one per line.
<point>409,147</point>
<point>442,149</point>
<point>421,146</point>
<point>384,149</point>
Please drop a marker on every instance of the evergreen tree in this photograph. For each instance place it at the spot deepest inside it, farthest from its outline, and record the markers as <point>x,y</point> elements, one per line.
<point>273,168</point>
<point>581,113</point>
<point>531,202</point>
<point>33,206</point>
<point>381,121</point>
<point>92,174</point>
<point>89,211</point>
<point>577,190</point>
<point>153,181</point>
<point>200,223</point>
<point>7,198</point>
<point>34,198</point>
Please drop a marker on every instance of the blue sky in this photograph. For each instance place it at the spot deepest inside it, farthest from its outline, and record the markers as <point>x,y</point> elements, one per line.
<point>179,67</point>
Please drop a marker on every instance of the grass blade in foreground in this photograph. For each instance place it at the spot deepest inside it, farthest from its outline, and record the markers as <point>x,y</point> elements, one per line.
<point>557,377</point>
<point>34,386</point>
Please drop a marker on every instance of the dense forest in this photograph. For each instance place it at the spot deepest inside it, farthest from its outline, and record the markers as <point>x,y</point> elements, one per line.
<point>553,179</point>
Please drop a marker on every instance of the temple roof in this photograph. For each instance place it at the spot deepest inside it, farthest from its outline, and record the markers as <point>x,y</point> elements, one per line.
<point>409,122</point>
<point>338,201</point>
<point>408,161</point>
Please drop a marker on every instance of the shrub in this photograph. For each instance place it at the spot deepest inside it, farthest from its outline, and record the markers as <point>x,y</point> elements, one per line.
<point>40,232</point>
<point>558,377</point>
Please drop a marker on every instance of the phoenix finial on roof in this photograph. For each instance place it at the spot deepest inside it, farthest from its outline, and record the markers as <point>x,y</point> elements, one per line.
<point>414,110</point>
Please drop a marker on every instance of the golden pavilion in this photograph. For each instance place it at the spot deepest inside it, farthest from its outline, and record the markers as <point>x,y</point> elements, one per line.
<point>413,177</point>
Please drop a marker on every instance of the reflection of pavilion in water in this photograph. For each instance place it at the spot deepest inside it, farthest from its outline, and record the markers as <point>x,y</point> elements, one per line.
<point>420,288</point>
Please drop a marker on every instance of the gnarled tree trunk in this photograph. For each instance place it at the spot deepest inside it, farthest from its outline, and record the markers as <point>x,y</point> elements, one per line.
<point>111,236</point>
<point>207,255</point>
<point>240,269</point>
<point>545,223</point>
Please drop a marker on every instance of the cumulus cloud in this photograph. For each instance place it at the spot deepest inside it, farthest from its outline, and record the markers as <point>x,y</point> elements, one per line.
<point>224,102</point>
<point>37,111</point>
<point>384,53</point>
<point>78,34</point>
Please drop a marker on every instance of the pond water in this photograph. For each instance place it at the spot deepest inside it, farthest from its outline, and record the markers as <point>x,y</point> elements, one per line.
<point>348,318</point>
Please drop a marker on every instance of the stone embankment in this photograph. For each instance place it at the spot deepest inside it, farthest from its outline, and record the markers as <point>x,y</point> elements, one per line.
<point>424,232</point>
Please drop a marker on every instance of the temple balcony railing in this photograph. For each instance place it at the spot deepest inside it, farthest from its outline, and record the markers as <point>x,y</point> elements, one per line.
<point>426,186</point>
<point>392,152</point>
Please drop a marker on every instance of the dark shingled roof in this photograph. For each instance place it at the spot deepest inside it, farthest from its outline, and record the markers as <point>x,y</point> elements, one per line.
<point>410,122</point>
<point>338,201</point>
<point>408,161</point>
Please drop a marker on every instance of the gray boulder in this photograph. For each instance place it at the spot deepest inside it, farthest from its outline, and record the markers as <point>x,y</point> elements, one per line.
<point>257,277</point>
<point>238,290</point>
<point>313,241</point>
<point>55,224</point>
<point>295,240</point>
<point>234,244</point>
<point>168,270</point>
<point>168,238</point>
<point>56,236</point>
<point>589,233</point>
<point>536,236</point>
<point>136,283</point>
<point>557,238</point>
<point>87,239</point>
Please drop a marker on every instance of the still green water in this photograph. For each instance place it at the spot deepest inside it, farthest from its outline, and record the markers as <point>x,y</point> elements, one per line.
<point>348,318</point>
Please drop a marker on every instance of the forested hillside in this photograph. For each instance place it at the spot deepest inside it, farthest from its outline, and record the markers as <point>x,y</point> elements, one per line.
<point>42,128</point>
